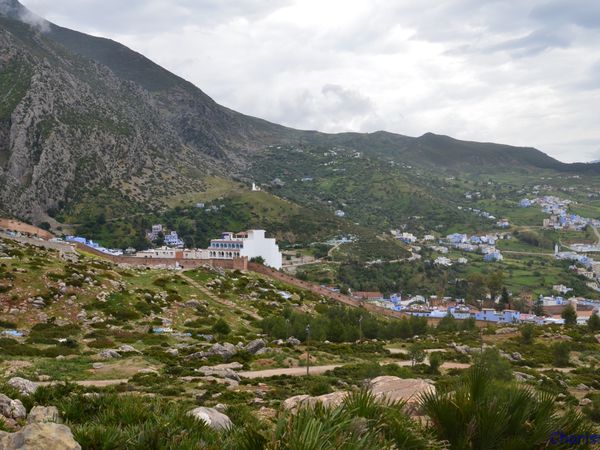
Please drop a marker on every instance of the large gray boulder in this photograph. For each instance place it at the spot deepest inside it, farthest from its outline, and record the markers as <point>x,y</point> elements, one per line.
<point>293,341</point>
<point>255,345</point>
<point>12,409</point>
<point>109,354</point>
<point>213,418</point>
<point>331,400</point>
<point>25,387</point>
<point>42,414</point>
<point>405,390</point>
<point>219,372</point>
<point>39,436</point>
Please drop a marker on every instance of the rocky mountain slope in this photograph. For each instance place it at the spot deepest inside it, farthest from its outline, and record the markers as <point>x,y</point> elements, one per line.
<point>80,113</point>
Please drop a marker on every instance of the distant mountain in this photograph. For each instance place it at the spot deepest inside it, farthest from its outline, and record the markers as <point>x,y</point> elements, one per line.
<point>80,113</point>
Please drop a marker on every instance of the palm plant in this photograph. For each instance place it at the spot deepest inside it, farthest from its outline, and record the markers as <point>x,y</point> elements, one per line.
<point>360,422</point>
<point>483,413</point>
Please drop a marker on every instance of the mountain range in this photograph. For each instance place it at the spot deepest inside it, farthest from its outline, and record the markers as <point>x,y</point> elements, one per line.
<point>79,114</point>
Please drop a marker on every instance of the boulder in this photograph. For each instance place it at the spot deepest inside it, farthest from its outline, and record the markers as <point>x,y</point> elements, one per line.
<point>172,351</point>
<point>42,414</point>
<point>522,377</point>
<point>12,409</point>
<point>255,345</point>
<point>213,418</point>
<point>332,400</point>
<point>585,402</point>
<point>293,341</point>
<point>220,372</point>
<point>25,387</point>
<point>583,387</point>
<point>109,354</point>
<point>40,436</point>
<point>225,350</point>
<point>127,349</point>
<point>406,390</point>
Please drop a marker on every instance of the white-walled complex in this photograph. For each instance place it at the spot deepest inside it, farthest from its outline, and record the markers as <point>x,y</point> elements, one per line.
<point>252,244</point>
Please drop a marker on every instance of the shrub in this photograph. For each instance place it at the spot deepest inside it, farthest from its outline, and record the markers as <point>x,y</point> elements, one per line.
<point>221,327</point>
<point>527,334</point>
<point>561,351</point>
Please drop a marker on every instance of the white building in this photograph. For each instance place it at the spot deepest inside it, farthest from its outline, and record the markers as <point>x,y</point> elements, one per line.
<point>162,252</point>
<point>251,244</point>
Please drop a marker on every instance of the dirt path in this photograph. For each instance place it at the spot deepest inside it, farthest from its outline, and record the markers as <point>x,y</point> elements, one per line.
<point>85,383</point>
<point>319,370</point>
<point>222,301</point>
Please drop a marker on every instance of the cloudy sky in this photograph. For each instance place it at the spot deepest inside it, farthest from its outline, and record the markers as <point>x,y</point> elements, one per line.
<point>522,73</point>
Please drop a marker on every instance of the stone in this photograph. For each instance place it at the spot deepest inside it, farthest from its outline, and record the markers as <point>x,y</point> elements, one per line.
<point>41,414</point>
<point>40,436</point>
<point>265,350</point>
<point>583,387</point>
<point>97,365</point>
<point>293,341</point>
<point>127,349</point>
<point>331,400</point>
<point>516,356</point>
<point>148,370</point>
<point>212,417</point>
<point>172,351</point>
<point>12,409</point>
<point>220,372</point>
<point>406,390</point>
<point>25,387</point>
<point>522,377</point>
<point>109,354</point>
<point>585,402</point>
<point>255,345</point>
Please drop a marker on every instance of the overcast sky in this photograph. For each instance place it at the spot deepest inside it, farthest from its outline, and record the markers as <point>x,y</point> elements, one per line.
<point>516,72</point>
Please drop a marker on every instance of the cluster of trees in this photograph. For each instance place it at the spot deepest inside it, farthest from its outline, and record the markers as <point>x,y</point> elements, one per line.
<point>340,324</point>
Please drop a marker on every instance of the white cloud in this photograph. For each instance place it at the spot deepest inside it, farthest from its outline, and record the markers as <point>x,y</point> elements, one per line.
<point>522,73</point>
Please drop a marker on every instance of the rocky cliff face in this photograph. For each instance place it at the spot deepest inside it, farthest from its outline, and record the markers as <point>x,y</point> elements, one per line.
<point>68,124</point>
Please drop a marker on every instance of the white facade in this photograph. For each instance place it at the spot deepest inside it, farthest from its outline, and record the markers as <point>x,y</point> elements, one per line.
<point>163,252</point>
<point>251,244</point>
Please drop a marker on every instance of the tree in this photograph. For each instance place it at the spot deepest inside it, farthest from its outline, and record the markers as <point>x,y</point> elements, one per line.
<point>594,322</point>
<point>435,361</point>
<point>561,351</point>
<point>527,334</point>
<point>504,298</point>
<point>475,288</point>
<point>447,323</point>
<point>416,353</point>
<point>494,282</point>
<point>497,367</point>
<point>569,315</point>
<point>538,307</point>
<point>258,260</point>
<point>221,327</point>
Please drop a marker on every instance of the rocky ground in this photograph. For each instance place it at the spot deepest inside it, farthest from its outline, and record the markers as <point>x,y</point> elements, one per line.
<point>80,331</point>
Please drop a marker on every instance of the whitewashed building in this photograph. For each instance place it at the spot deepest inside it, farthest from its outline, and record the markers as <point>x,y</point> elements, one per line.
<point>252,244</point>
